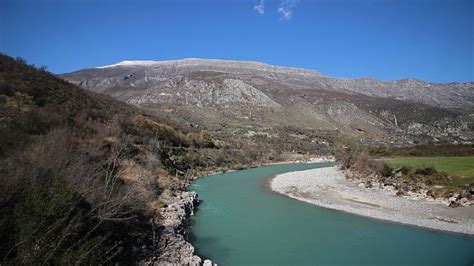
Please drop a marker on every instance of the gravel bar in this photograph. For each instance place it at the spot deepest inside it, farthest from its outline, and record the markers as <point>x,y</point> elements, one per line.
<point>328,187</point>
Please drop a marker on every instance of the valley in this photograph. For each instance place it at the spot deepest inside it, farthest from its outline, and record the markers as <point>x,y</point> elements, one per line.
<point>253,132</point>
<point>172,122</point>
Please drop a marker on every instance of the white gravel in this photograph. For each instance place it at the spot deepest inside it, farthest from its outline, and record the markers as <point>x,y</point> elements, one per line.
<point>328,187</point>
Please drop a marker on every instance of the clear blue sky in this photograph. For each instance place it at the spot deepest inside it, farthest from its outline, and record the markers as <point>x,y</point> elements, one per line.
<point>431,40</point>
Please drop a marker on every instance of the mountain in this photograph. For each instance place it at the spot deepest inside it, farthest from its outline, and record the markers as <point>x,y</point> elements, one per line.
<point>240,98</point>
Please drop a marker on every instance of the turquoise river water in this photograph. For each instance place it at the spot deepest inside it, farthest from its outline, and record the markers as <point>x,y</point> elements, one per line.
<point>240,221</point>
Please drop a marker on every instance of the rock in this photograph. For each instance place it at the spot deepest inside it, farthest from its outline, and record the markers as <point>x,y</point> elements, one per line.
<point>401,193</point>
<point>464,202</point>
<point>430,193</point>
<point>208,263</point>
<point>349,174</point>
<point>465,194</point>
<point>388,181</point>
<point>173,249</point>
<point>368,184</point>
<point>397,172</point>
<point>452,199</point>
<point>454,204</point>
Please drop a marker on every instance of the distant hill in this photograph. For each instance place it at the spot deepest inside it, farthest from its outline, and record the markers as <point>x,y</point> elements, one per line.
<point>255,98</point>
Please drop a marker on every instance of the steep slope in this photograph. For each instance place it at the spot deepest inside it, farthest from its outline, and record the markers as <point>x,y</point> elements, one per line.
<point>264,98</point>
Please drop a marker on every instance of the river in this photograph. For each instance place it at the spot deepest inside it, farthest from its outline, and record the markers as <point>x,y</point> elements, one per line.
<point>240,221</point>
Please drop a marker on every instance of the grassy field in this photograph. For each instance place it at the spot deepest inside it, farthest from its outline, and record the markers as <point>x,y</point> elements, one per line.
<point>459,166</point>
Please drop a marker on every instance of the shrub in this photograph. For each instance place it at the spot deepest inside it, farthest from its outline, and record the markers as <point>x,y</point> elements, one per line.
<point>61,152</point>
<point>425,170</point>
<point>346,151</point>
<point>387,170</point>
<point>406,169</point>
<point>363,162</point>
<point>205,139</point>
<point>378,151</point>
<point>20,101</point>
<point>56,225</point>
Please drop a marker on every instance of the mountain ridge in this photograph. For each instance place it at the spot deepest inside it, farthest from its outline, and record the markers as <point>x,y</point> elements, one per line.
<point>130,63</point>
<point>219,92</point>
<point>196,60</point>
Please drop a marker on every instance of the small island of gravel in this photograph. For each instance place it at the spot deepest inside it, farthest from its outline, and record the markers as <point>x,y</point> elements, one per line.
<point>328,187</point>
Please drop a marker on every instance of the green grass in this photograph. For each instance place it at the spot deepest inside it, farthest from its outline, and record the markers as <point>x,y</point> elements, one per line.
<point>458,166</point>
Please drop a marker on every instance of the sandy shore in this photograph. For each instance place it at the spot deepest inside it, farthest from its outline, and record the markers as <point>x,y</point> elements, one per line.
<point>328,187</point>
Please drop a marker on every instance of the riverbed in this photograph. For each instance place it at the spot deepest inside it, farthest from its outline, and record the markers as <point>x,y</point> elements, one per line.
<point>240,221</point>
<point>328,187</point>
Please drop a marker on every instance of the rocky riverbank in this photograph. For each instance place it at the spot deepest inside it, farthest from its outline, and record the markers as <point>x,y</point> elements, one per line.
<point>173,247</point>
<point>328,187</point>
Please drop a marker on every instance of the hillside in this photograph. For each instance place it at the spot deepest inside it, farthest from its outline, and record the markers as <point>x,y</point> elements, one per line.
<point>238,98</point>
<point>88,179</point>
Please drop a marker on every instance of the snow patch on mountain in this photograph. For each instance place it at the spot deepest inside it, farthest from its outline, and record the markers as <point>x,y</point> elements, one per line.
<point>130,63</point>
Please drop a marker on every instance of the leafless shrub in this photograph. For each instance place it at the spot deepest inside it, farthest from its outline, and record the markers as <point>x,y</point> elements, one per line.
<point>362,162</point>
<point>346,151</point>
<point>55,156</point>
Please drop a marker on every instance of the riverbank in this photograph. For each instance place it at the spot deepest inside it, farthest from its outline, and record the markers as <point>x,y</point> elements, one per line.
<point>329,188</point>
<point>173,247</point>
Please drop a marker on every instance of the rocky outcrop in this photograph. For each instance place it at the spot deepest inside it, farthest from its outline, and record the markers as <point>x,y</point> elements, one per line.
<point>173,249</point>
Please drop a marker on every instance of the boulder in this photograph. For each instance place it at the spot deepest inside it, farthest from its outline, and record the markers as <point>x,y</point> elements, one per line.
<point>430,193</point>
<point>464,202</point>
<point>452,199</point>
<point>388,181</point>
<point>368,184</point>
<point>397,170</point>
<point>465,194</point>
<point>454,204</point>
